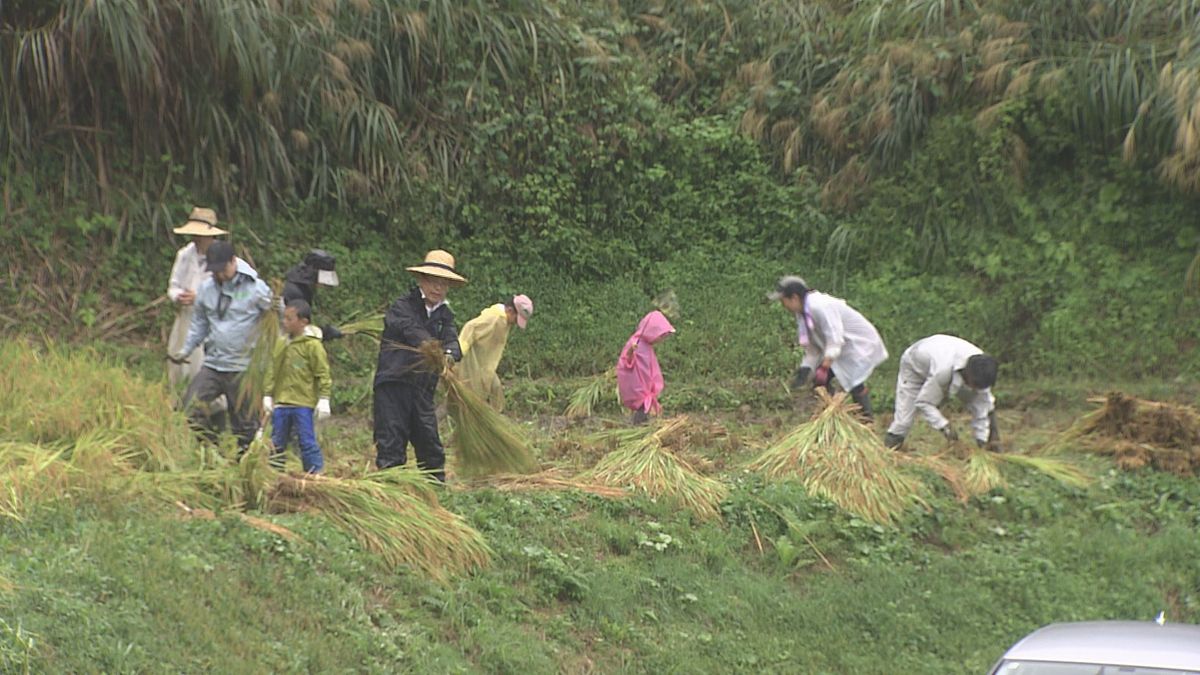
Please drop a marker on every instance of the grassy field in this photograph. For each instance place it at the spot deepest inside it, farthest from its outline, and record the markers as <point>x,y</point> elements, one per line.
<point>107,576</point>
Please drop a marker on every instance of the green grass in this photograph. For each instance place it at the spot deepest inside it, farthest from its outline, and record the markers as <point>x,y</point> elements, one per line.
<point>101,572</point>
<point>620,585</point>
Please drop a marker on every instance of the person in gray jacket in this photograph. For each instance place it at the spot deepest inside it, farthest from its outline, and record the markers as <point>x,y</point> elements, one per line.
<point>225,319</point>
<point>937,367</point>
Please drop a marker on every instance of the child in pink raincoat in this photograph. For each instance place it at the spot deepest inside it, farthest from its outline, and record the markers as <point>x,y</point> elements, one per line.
<point>639,379</point>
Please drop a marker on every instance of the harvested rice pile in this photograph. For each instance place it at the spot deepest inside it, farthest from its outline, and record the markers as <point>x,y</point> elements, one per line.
<point>1139,433</point>
<point>839,458</point>
<point>643,462</point>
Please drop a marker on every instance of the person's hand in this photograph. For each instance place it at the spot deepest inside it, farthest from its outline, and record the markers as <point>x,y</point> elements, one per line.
<point>801,377</point>
<point>323,409</point>
<point>331,332</point>
<point>186,298</point>
<point>949,432</point>
<point>268,404</point>
<point>177,359</point>
<point>821,376</point>
<point>449,358</point>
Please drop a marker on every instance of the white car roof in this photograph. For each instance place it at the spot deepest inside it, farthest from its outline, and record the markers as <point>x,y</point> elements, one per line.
<point>1120,643</point>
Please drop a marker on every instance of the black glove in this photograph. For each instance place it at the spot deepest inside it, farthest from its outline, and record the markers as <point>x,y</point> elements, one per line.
<point>177,359</point>
<point>993,430</point>
<point>892,440</point>
<point>331,332</point>
<point>802,375</point>
<point>949,432</point>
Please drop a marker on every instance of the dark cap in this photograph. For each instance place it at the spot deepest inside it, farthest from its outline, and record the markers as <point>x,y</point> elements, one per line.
<point>219,254</point>
<point>319,260</point>
<point>787,286</point>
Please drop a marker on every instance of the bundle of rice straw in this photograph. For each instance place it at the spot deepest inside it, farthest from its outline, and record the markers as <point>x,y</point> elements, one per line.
<point>837,457</point>
<point>394,514</point>
<point>585,399</point>
<point>370,326</point>
<point>1137,433</point>
<point>485,441</point>
<point>643,463</point>
<point>549,480</point>
<point>267,334</point>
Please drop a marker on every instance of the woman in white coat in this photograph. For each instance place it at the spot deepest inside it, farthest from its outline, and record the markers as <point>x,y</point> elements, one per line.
<point>839,343</point>
<point>187,273</point>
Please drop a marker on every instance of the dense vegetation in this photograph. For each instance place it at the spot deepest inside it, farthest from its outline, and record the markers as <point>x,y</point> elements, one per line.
<point>1015,172</point>
<point>1020,172</point>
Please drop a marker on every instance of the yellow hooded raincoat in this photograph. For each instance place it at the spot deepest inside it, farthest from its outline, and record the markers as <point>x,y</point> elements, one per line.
<point>483,339</point>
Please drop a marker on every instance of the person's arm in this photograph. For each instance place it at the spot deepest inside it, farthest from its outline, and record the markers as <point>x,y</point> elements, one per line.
<point>981,406</point>
<point>263,298</point>
<point>320,366</point>
<point>272,369</point>
<point>197,331</point>
<point>450,339</point>
<point>829,323</point>
<point>175,286</point>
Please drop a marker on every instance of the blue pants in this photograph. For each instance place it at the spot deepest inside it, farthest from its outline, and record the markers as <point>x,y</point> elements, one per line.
<point>283,420</point>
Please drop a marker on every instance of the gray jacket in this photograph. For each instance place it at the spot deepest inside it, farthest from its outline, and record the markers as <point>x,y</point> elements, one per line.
<point>229,327</point>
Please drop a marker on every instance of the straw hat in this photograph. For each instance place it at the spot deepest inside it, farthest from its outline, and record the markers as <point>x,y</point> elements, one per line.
<point>439,263</point>
<point>202,223</point>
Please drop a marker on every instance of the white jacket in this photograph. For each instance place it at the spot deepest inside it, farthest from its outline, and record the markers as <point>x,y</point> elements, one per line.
<point>842,335</point>
<point>931,370</point>
<point>188,272</point>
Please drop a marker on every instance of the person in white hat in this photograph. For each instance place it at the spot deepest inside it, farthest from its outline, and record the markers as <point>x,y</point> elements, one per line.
<point>403,406</point>
<point>188,272</point>
<point>839,343</point>
<point>483,340</point>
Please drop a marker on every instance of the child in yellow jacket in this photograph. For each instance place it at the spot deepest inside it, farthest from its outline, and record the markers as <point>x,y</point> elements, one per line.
<point>297,381</point>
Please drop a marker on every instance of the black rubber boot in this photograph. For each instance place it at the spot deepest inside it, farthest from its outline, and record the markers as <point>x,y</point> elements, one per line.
<point>862,396</point>
<point>892,441</point>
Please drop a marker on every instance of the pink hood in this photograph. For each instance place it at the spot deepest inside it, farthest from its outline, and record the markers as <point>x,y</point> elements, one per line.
<point>639,379</point>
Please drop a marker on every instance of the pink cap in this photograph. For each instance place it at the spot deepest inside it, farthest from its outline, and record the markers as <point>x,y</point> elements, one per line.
<point>524,307</point>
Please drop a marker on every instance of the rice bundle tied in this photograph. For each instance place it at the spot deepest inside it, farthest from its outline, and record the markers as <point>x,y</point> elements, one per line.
<point>837,457</point>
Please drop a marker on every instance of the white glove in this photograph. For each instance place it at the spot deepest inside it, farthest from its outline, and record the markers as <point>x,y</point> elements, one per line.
<point>322,409</point>
<point>268,404</point>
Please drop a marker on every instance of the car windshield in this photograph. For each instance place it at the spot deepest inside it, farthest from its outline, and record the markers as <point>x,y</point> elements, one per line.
<point>1010,667</point>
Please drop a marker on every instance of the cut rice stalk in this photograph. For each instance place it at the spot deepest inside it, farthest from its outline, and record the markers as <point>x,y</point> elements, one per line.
<point>1058,469</point>
<point>550,479</point>
<point>644,464</point>
<point>485,441</point>
<point>585,399</point>
<point>982,474</point>
<point>370,326</point>
<point>395,515</point>
<point>837,457</point>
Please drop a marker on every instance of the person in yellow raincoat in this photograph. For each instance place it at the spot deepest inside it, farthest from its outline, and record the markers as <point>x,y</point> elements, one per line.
<point>483,339</point>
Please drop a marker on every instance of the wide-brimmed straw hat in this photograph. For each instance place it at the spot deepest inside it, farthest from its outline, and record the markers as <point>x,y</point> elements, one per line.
<point>202,223</point>
<point>439,263</point>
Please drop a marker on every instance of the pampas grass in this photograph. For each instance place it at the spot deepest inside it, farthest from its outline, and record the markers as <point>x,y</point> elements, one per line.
<point>643,463</point>
<point>394,514</point>
<point>838,458</point>
<point>585,399</point>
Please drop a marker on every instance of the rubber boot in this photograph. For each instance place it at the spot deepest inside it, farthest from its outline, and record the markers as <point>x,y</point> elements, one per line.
<point>862,396</point>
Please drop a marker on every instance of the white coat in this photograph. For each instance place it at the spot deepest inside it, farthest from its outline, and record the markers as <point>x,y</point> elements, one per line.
<point>842,335</point>
<point>188,272</point>
<point>931,370</point>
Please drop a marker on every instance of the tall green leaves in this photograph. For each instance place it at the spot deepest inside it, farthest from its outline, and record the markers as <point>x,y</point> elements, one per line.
<point>263,100</point>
